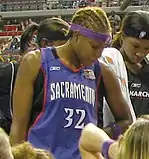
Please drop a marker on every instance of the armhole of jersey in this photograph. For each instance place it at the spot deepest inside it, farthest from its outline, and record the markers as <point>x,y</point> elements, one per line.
<point>41,93</point>
<point>98,76</point>
<point>102,92</point>
<point>38,97</point>
<point>11,87</point>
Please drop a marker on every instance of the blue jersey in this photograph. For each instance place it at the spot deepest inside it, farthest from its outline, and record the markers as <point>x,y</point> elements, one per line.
<point>69,104</point>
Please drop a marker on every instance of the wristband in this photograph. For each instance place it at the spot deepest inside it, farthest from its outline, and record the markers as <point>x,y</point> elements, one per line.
<point>117,130</point>
<point>105,148</point>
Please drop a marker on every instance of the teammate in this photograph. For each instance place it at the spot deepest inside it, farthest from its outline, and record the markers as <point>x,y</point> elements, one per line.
<point>132,145</point>
<point>69,87</point>
<point>134,48</point>
<point>51,32</point>
<point>57,29</point>
<point>133,43</point>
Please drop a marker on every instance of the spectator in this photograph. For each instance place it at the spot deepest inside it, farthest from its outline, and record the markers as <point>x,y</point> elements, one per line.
<point>1,23</point>
<point>30,21</point>
<point>26,151</point>
<point>1,6</point>
<point>109,3</point>
<point>26,23</point>
<point>82,4</point>
<point>115,21</point>
<point>22,151</point>
<point>22,27</point>
<point>98,3</point>
<point>8,22</point>
<point>132,145</point>
<point>5,148</point>
<point>15,21</point>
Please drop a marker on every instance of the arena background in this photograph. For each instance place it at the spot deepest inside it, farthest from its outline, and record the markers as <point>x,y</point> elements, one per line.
<point>14,12</point>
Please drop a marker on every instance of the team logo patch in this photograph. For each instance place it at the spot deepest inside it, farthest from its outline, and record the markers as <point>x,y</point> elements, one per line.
<point>89,74</point>
<point>122,82</point>
<point>109,60</point>
<point>142,34</point>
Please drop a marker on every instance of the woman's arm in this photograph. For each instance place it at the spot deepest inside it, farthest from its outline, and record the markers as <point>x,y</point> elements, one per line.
<point>116,101</point>
<point>91,141</point>
<point>23,96</point>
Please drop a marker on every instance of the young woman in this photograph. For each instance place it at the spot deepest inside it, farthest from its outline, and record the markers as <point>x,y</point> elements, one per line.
<point>53,32</point>
<point>5,148</point>
<point>133,44</point>
<point>69,87</point>
<point>132,145</point>
<point>27,151</point>
<point>24,150</point>
<point>50,32</point>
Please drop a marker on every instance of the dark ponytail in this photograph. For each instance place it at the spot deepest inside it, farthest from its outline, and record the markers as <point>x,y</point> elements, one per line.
<point>52,29</point>
<point>26,38</point>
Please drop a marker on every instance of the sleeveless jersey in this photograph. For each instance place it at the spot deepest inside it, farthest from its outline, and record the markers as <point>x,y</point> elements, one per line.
<point>69,104</point>
<point>139,94</point>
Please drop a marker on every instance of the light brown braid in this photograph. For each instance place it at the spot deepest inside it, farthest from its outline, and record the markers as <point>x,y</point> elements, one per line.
<point>93,18</point>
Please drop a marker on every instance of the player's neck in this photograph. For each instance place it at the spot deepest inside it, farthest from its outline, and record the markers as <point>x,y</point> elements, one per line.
<point>68,56</point>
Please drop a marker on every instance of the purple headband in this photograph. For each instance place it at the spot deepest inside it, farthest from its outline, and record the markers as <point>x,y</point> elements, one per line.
<point>90,33</point>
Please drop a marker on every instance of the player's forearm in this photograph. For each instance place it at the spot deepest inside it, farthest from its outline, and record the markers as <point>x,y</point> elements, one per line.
<point>17,134</point>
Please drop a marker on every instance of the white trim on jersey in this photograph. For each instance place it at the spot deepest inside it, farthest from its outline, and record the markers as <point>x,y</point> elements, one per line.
<point>11,87</point>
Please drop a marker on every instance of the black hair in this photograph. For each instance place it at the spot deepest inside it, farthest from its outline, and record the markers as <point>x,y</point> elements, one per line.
<point>51,29</point>
<point>133,24</point>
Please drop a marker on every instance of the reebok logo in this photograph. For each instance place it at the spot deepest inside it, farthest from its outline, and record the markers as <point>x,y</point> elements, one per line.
<point>54,68</point>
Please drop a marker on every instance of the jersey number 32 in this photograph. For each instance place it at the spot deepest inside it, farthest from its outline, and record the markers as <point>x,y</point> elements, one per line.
<point>70,118</point>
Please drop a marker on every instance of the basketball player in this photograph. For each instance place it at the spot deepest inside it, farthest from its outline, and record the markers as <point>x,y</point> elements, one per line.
<point>50,32</point>
<point>132,43</point>
<point>134,47</point>
<point>69,87</point>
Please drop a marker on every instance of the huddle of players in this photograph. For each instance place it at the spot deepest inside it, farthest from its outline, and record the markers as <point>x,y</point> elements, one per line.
<point>71,73</point>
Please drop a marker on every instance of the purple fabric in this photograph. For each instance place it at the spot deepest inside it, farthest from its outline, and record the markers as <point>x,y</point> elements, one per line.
<point>117,130</point>
<point>90,33</point>
<point>105,148</point>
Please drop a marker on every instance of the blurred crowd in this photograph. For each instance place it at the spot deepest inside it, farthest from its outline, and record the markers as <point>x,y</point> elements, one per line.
<point>11,45</point>
<point>123,45</point>
<point>9,5</point>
